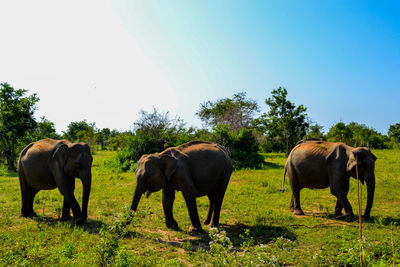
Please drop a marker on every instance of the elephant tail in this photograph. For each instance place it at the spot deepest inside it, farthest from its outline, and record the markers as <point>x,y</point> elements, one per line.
<point>283,182</point>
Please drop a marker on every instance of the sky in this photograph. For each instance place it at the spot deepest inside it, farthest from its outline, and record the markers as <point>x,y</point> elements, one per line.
<point>104,61</point>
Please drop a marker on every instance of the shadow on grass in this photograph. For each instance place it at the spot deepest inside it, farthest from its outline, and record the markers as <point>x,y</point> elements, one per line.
<point>261,234</point>
<point>385,220</point>
<point>91,226</point>
<point>270,165</point>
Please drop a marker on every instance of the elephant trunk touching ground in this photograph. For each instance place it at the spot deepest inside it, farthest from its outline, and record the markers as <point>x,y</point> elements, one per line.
<point>139,191</point>
<point>370,195</point>
<point>86,184</point>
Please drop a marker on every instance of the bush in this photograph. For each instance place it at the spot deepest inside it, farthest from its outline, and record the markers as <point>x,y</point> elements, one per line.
<point>243,146</point>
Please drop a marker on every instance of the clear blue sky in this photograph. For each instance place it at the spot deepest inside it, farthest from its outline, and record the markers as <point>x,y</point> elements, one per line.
<point>341,59</point>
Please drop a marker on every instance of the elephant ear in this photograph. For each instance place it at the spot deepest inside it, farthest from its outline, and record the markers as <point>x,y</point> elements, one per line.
<point>357,156</point>
<point>170,165</point>
<point>60,154</point>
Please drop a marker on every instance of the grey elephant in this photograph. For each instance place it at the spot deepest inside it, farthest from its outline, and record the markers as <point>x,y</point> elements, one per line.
<point>49,164</point>
<point>319,164</point>
<point>195,168</point>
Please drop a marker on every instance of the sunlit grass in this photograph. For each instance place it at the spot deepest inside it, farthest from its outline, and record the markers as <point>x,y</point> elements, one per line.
<point>253,204</point>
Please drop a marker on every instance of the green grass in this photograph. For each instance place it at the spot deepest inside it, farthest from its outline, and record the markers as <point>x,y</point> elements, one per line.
<point>257,226</point>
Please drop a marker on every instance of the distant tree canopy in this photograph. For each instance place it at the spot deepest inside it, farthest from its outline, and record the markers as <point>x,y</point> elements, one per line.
<point>394,132</point>
<point>16,119</point>
<point>284,123</point>
<point>237,112</point>
<point>355,134</point>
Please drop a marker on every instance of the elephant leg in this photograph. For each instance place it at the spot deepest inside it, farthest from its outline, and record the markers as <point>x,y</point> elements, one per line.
<point>66,215</point>
<point>291,206</point>
<point>296,202</point>
<point>217,209</point>
<point>168,198</point>
<point>190,200</point>
<point>342,202</point>
<point>338,209</point>
<point>28,194</point>
<point>210,210</point>
<point>70,199</point>
<point>27,210</point>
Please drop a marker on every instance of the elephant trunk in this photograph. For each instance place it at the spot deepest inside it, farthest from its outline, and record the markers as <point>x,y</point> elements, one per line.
<point>139,191</point>
<point>370,196</point>
<point>87,183</point>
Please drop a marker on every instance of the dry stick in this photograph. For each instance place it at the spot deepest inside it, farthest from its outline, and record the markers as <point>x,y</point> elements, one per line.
<point>391,233</point>
<point>359,193</point>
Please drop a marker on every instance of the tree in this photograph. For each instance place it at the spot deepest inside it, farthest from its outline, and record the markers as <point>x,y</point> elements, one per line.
<point>394,132</point>
<point>82,131</point>
<point>154,132</point>
<point>237,112</point>
<point>340,133</point>
<point>315,131</point>
<point>284,123</point>
<point>16,119</point>
<point>44,129</point>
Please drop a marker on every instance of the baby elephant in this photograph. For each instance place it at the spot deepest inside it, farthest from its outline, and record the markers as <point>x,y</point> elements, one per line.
<point>195,168</point>
<point>47,164</point>
<point>320,164</point>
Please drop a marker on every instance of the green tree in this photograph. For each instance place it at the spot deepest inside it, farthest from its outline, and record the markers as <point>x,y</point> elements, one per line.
<point>340,133</point>
<point>284,123</point>
<point>154,132</point>
<point>315,131</point>
<point>237,112</point>
<point>394,132</point>
<point>16,119</point>
<point>44,129</point>
<point>82,131</point>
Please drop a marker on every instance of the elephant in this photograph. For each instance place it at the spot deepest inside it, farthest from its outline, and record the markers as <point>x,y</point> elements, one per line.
<point>196,168</point>
<point>47,164</point>
<point>318,164</point>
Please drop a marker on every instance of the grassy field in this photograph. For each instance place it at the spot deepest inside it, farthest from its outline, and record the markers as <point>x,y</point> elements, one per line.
<point>257,227</point>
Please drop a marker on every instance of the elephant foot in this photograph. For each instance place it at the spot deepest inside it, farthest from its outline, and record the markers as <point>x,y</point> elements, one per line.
<point>207,221</point>
<point>366,217</point>
<point>80,221</point>
<point>28,214</point>
<point>297,212</point>
<point>65,217</point>
<point>194,229</point>
<point>172,225</point>
<point>350,217</point>
<point>339,216</point>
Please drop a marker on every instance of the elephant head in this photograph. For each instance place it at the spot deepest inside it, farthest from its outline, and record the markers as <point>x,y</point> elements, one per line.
<point>76,161</point>
<point>365,160</point>
<point>152,174</point>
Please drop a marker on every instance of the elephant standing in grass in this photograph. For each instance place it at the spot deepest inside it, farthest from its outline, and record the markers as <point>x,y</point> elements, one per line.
<point>320,164</point>
<point>48,164</point>
<point>195,168</point>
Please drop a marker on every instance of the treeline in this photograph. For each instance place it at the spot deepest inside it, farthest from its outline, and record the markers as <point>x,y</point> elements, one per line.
<point>232,122</point>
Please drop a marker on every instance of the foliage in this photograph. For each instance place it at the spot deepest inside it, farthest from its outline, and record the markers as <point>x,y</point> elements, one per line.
<point>237,112</point>
<point>154,132</point>
<point>284,123</point>
<point>315,131</point>
<point>16,119</point>
<point>356,135</point>
<point>44,129</point>
<point>394,135</point>
<point>242,145</point>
